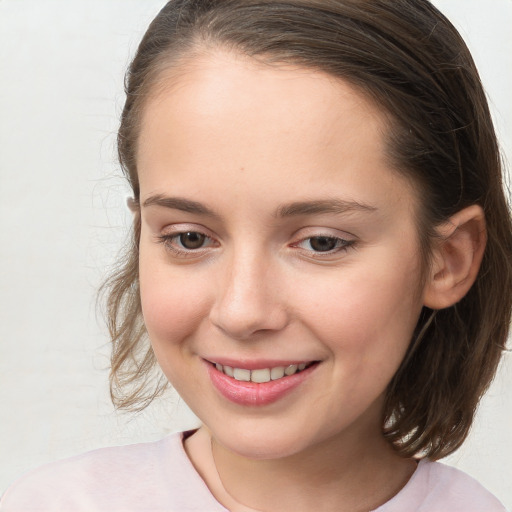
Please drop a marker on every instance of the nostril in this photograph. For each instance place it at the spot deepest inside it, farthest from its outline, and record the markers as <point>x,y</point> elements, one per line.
<point>248,299</point>
<point>244,321</point>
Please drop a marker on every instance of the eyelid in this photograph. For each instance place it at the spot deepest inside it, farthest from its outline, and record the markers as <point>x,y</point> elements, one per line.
<point>185,227</point>
<point>169,233</point>
<point>312,232</point>
<point>347,240</point>
<point>344,243</point>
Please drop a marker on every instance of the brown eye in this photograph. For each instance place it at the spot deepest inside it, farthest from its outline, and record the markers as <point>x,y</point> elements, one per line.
<point>192,240</point>
<point>323,243</point>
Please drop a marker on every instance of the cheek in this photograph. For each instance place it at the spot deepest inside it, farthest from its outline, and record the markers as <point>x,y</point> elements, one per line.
<point>366,321</point>
<point>173,303</point>
<point>369,313</point>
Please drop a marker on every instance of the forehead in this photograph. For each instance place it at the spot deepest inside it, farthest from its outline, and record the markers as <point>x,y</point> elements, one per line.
<point>227,86</point>
<point>228,116</point>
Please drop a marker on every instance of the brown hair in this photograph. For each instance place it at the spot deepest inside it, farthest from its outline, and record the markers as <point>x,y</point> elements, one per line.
<point>409,59</point>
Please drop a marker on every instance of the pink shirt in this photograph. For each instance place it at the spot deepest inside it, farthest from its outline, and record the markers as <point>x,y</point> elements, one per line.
<point>159,477</point>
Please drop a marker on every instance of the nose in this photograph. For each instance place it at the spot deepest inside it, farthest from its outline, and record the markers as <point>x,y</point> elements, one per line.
<point>248,299</point>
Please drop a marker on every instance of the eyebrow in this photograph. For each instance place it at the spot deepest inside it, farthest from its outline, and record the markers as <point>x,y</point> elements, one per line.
<point>313,207</point>
<point>316,207</point>
<point>179,203</point>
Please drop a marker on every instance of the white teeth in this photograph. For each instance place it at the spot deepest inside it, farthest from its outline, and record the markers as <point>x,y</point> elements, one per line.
<point>290,370</point>
<point>241,374</point>
<point>261,375</point>
<point>277,373</point>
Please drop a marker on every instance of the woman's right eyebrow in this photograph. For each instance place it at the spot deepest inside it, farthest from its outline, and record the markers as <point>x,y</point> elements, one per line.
<point>180,203</point>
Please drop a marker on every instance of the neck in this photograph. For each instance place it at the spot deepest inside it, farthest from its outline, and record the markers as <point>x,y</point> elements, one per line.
<point>354,473</point>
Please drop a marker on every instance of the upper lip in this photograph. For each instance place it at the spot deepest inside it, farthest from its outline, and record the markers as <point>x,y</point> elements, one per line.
<point>256,364</point>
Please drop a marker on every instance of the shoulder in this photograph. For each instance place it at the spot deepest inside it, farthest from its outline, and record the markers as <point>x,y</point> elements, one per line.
<point>436,487</point>
<point>146,476</point>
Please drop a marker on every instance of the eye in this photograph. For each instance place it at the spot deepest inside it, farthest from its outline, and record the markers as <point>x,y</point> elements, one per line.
<point>324,244</point>
<point>186,243</point>
<point>191,240</point>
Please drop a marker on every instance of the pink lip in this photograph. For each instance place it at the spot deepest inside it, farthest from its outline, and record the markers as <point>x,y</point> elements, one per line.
<point>251,393</point>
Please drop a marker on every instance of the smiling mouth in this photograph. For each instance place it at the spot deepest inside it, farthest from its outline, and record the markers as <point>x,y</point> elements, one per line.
<point>262,375</point>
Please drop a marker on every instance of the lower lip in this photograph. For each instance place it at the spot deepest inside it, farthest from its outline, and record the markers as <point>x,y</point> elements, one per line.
<point>256,394</point>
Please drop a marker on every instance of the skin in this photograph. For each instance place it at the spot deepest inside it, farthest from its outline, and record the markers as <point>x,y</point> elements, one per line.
<point>246,140</point>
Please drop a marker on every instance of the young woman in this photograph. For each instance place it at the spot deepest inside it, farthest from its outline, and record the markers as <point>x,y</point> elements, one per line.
<point>320,263</point>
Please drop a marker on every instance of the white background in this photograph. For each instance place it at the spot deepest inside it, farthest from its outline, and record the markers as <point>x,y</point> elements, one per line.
<point>63,219</point>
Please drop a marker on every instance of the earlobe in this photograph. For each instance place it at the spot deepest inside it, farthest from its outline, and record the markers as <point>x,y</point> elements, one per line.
<point>133,205</point>
<point>456,258</point>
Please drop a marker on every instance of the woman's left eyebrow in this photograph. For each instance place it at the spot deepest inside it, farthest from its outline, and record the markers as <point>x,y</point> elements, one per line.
<point>316,207</point>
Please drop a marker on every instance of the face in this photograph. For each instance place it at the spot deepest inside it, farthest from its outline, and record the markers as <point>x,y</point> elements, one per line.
<point>279,258</point>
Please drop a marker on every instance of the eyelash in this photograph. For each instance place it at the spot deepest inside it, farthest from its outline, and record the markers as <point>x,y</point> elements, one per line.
<point>341,244</point>
<point>168,242</point>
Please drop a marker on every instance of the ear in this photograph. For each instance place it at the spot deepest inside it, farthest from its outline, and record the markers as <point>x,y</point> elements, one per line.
<point>456,258</point>
<point>133,205</point>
